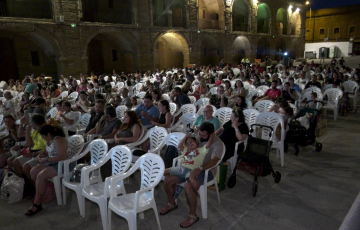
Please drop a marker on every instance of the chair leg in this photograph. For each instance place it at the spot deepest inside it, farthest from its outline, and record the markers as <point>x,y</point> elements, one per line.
<point>108,225</point>
<point>156,214</point>
<point>217,191</point>
<point>203,200</point>
<point>103,213</point>
<point>81,202</point>
<point>132,221</point>
<point>64,194</point>
<point>57,187</point>
<point>281,150</point>
<point>141,215</point>
<point>335,114</point>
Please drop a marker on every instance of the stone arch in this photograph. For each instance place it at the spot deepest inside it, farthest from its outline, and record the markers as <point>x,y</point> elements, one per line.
<point>171,49</point>
<point>241,15</point>
<point>211,51</point>
<point>295,23</point>
<point>27,43</point>
<point>263,48</point>
<point>281,22</point>
<point>263,18</point>
<point>295,49</point>
<point>241,48</point>
<point>280,49</point>
<point>211,14</point>
<point>107,50</point>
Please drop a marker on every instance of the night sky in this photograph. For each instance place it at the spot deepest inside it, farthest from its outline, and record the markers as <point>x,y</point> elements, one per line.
<point>321,4</point>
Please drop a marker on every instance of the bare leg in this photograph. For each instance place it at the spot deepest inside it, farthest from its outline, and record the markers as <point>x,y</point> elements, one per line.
<point>191,188</point>
<point>3,160</point>
<point>18,169</point>
<point>170,183</point>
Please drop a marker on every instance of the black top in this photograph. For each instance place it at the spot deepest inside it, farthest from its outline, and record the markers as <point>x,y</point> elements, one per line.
<point>287,97</point>
<point>229,138</point>
<point>93,120</point>
<point>310,84</point>
<point>162,119</point>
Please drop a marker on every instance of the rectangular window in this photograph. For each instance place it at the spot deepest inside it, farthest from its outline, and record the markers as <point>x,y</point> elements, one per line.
<point>352,29</point>
<point>114,55</point>
<point>217,17</point>
<point>111,4</point>
<point>35,58</point>
<point>336,30</point>
<point>203,13</point>
<point>322,31</point>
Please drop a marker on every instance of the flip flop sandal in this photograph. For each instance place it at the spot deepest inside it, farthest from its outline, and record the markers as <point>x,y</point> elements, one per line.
<point>169,210</point>
<point>31,212</point>
<point>193,220</point>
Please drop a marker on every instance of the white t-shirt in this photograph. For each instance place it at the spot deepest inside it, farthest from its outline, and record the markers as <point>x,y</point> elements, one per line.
<point>72,116</point>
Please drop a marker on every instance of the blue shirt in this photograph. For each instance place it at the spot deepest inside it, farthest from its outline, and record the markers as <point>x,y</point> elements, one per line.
<point>296,87</point>
<point>153,111</point>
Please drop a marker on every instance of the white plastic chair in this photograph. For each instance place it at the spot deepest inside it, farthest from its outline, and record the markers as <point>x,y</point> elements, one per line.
<point>172,108</point>
<point>202,102</point>
<point>203,188</point>
<point>85,119</point>
<point>328,86</point>
<point>352,87</point>
<point>165,96</point>
<point>120,112</point>
<point>99,192</point>
<point>192,99</point>
<point>141,95</point>
<point>72,97</point>
<point>127,206</point>
<point>137,88</point>
<point>75,145</point>
<point>312,89</point>
<point>184,122</point>
<point>273,120</point>
<point>223,114</point>
<point>52,113</point>
<point>263,87</point>
<point>333,96</point>
<point>213,91</point>
<point>254,92</point>
<point>98,149</point>
<point>201,110</point>
<point>156,135</point>
<point>263,106</point>
<point>248,104</point>
<point>294,108</point>
<point>188,108</point>
<point>250,116</point>
<point>60,97</point>
<point>171,139</point>
<point>75,124</point>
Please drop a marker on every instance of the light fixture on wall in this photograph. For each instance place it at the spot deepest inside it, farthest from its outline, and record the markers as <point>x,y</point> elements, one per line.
<point>290,7</point>
<point>61,18</point>
<point>190,49</point>
<point>297,10</point>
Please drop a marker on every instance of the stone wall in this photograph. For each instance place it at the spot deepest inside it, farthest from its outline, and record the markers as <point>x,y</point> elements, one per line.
<point>63,44</point>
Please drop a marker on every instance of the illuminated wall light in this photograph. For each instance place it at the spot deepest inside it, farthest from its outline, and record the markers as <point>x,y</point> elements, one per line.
<point>297,10</point>
<point>290,7</point>
<point>255,2</point>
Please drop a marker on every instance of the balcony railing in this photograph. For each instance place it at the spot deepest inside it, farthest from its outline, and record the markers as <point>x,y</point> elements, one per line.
<point>41,9</point>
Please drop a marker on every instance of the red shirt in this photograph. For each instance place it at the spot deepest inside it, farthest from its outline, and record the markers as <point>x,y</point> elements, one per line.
<point>273,93</point>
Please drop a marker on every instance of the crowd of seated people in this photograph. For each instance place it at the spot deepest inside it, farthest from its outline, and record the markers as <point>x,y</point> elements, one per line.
<point>35,144</point>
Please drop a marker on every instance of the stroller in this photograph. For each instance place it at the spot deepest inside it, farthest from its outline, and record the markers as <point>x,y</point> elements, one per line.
<point>255,159</point>
<point>298,134</point>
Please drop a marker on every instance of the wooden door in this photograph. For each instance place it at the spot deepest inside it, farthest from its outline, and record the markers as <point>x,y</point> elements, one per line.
<point>8,66</point>
<point>96,58</point>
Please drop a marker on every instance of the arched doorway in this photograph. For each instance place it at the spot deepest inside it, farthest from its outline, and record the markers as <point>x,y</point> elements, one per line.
<point>263,49</point>
<point>27,53</point>
<point>211,14</point>
<point>281,22</point>
<point>171,50</point>
<point>241,49</point>
<point>280,49</point>
<point>295,23</point>
<point>240,14</point>
<point>263,18</point>
<point>111,50</point>
<point>211,51</point>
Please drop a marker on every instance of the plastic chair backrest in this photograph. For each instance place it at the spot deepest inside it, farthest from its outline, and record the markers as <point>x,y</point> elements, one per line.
<point>152,169</point>
<point>326,87</point>
<point>293,107</point>
<point>52,113</point>
<point>64,94</point>
<point>188,108</point>
<point>141,95</point>
<point>121,158</point>
<point>333,95</point>
<point>255,92</point>
<point>307,95</point>
<point>120,111</point>
<point>263,87</point>
<point>138,87</point>
<point>248,104</point>
<point>250,116</point>
<point>20,95</point>
<point>223,114</point>
<point>166,97</point>
<point>187,120</point>
<point>172,108</point>
<point>75,145</point>
<point>269,119</point>
<point>351,86</point>
<point>213,91</point>
<point>1,118</point>
<point>174,138</point>
<point>106,78</point>
<point>312,89</point>
<point>112,84</point>
<point>85,119</point>
<point>264,105</point>
<point>120,85</point>
<point>73,95</point>
<point>192,99</point>
<point>98,149</point>
<point>156,136</point>
<point>202,102</point>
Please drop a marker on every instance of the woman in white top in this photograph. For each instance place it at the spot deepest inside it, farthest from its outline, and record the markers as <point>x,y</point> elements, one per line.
<point>67,117</point>
<point>56,150</point>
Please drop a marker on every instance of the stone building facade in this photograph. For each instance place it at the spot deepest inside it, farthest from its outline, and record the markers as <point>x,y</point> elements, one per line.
<point>335,24</point>
<point>70,37</point>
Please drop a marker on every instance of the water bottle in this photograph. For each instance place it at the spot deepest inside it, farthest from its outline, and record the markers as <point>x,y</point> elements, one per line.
<point>177,191</point>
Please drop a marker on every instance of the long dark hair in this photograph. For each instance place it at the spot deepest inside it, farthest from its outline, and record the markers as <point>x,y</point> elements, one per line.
<point>134,119</point>
<point>54,131</point>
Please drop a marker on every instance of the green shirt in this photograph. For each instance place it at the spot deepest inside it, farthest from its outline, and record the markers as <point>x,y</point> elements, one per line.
<point>201,119</point>
<point>30,88</point>
<point>194,158</point>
